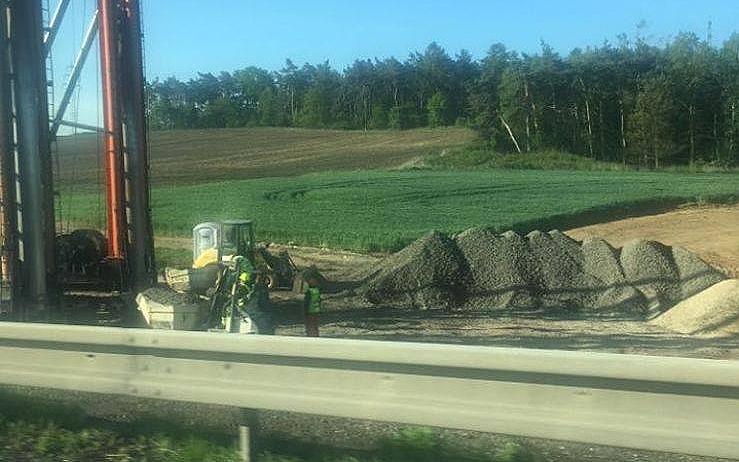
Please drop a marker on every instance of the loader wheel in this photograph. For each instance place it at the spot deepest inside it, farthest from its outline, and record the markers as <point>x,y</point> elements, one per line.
<point>271,281</point>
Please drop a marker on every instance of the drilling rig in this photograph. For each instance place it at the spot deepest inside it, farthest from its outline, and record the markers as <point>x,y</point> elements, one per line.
<point>32,285</point>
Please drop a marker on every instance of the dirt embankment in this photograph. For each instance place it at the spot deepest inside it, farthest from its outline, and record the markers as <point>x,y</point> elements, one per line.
<point>712,233</point>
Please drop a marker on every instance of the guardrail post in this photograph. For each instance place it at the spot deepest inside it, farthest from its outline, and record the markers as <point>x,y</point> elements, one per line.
<point>248,431</point>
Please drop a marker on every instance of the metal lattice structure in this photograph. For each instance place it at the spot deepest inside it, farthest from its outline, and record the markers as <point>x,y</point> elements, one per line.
<point>28,127</point>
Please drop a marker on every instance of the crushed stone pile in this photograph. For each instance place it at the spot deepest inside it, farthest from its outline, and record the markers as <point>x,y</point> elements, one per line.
<point>482,270</point>
<point>497,270</point>
<point>694,274</point>
<point>612,293</point>
<point>556,266</point>
<point>713,312</point>
<point>428,273</point>
<point>649,267</point>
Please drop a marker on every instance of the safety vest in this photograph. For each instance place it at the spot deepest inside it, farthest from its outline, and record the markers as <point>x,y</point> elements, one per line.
<point>314,300</point>
<point>245,277</point>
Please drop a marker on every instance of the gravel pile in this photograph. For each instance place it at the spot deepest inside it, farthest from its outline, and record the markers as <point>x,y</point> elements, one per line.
<point>429,273</point>
<point>694,274</point>
<point>482,270</point>
<point>613,293</point>
<point>649,267</point>
<point>497,270</point>
<point>556,264</point>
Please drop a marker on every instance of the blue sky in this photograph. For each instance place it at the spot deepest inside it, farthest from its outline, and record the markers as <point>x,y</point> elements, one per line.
<point>187,36</point>
<point>184,36</point>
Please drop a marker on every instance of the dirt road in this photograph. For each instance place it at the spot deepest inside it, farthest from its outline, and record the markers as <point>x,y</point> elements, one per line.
<point>710,232</point>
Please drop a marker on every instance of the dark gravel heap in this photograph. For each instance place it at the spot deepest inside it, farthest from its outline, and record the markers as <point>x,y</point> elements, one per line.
<point>613,294</point>
<point>649,267</point>
<point>556,264</point>
<point>481,270</point>
<point>695,275</point>
<point>429,273</point>
<point>497,268</point>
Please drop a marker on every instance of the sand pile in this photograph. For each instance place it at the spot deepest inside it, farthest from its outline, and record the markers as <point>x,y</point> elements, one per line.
<point>712,312</point>
<point>482,270</point>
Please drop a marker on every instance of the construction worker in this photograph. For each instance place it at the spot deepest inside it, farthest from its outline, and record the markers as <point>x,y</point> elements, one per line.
<point>245,285</point>
<point>240,282</point>
<point>312,306</point>
<point>252,297</point>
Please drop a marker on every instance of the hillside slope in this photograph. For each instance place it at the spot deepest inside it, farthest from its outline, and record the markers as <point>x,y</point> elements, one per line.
<point>205,156</point>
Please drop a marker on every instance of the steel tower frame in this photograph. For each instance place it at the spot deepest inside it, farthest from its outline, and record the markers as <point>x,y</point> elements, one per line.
<point>28,253</point>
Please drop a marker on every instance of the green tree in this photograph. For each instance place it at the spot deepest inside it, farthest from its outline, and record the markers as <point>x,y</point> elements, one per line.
<point>438,110</point>
<point>270,109</point>
<point>402,117</point>
<point>484,100</point>
<point>380,117</point>
<point>692,71</point>
<point>652,129</point>
<point>730,84</point>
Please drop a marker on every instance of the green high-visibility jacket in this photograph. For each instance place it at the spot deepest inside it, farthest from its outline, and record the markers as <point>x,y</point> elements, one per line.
<point>312,300</point>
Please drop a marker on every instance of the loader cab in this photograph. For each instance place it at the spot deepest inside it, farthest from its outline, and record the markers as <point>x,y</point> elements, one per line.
<point>220,241</point>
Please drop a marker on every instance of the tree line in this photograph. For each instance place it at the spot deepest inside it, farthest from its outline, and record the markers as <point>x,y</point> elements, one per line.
<point>631,102</point>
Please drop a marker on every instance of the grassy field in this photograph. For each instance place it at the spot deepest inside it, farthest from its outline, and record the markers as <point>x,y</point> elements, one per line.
<point>474,156</point>
<point>45,429</point>
<point>201,156</point>
<point>384,210</point>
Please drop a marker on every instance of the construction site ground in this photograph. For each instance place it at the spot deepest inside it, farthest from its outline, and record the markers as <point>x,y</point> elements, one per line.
<point>710,232</point>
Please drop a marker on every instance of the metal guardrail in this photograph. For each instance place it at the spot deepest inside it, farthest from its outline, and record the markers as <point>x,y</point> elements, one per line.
<point>657,403</point>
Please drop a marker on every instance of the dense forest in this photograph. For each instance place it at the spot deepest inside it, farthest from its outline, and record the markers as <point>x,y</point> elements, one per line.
<point>631,102</point>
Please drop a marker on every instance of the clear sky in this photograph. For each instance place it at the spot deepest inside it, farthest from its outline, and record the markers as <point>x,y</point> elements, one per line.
<point>187,36</point>
<point>184,36</point>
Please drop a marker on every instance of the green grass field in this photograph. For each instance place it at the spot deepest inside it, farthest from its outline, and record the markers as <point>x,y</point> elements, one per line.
<point>384,210</point>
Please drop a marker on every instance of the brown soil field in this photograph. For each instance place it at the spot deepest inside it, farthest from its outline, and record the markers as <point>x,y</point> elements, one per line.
<point>201,156</point>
